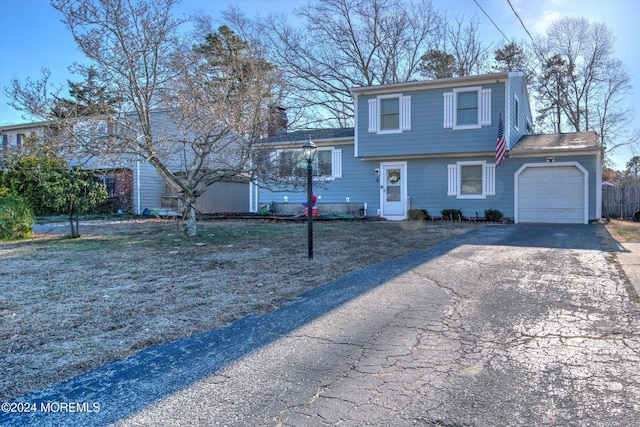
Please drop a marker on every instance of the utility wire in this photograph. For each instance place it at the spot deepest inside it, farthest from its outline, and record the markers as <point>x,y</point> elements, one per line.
<point>494,24</point>
<point>537,48</point>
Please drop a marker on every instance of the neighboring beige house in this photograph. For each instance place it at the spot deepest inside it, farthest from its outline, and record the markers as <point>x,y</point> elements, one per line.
<point>14,136</point>
<point>133,183</point>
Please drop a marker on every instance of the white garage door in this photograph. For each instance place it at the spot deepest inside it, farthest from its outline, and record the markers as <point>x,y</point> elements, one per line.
<point>551,195</point>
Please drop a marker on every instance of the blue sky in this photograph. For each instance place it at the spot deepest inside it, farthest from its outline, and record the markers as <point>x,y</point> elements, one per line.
<point>32,36</point>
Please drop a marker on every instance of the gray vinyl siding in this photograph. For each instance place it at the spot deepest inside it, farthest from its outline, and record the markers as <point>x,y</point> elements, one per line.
<point>427,134</point>
<point>151,187</point>
<point>224,196</point>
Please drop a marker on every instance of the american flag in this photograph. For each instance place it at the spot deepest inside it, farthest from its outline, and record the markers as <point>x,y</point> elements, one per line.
<point>501,145</point>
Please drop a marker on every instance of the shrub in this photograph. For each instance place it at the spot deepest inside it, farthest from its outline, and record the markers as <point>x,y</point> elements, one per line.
<point>493,215</point>
<point>16,218</point>
<point>452,214</point>
<point>418,215</point>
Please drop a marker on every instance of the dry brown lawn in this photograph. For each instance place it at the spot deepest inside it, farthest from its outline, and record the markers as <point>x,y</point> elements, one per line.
<point>71,305</point>
<point>624,231</point>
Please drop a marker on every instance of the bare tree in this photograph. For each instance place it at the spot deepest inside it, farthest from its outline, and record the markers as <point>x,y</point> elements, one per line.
<point>191,112</point>
<point>582,82</point>
<point>470,53</point>
<point>460,52</point>
<point>341,44</point>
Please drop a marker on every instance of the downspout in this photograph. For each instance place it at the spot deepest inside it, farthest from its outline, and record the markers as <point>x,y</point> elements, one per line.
<point>138,211</point>
<point>599,186</point>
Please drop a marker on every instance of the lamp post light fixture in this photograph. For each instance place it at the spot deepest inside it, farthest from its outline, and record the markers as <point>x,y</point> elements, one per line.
<point>309,149</point>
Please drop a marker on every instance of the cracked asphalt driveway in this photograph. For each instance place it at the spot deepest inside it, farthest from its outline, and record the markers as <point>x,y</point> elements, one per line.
<point>504,326</point>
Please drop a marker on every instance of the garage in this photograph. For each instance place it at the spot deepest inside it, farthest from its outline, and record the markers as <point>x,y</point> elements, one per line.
<point>551,194</point>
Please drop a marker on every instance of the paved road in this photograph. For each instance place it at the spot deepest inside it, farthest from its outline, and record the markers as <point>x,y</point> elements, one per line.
<point>508,325</point>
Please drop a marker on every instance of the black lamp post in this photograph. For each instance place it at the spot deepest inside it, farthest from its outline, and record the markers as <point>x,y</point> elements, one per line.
<point>309,149</point>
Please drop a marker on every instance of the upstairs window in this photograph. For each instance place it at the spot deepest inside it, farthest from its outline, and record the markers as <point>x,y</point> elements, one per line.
<point>467,108</point>
<point>20,140</point>
<point>390,114</point>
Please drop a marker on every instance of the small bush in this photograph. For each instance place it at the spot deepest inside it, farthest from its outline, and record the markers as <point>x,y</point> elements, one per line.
<point>493,215</point>
<point>16,218</point>
<point>418,215</point>
<point>452,214</point>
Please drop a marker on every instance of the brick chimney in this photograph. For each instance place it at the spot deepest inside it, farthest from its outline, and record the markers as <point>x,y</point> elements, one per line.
<point>278,121</point>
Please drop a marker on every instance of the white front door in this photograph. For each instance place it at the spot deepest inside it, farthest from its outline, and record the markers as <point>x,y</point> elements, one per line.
<point>393,190</point>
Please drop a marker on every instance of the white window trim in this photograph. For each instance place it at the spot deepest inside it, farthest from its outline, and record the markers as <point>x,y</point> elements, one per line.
<point>516,113</point>
<point>451,104</point>
<point>380,99</point>
<point>454,187</point>
<point>404,114</point>
<point>456,91</point>
<point>336,162</point>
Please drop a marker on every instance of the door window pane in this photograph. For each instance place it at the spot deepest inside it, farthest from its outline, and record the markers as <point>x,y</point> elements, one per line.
<point>393,185</point>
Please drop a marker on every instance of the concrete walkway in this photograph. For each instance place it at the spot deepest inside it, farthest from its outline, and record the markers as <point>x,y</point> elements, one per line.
<point>507,325</point>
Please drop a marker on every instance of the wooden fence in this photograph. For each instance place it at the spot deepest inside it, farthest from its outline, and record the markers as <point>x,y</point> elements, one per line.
<point>620,201</point>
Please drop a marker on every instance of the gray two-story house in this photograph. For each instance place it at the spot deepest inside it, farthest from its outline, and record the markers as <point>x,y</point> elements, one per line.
<point>432,145</point>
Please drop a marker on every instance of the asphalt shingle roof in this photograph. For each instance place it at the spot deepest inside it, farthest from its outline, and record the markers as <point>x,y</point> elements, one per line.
<point>315,134</point>
<point>557,142</point>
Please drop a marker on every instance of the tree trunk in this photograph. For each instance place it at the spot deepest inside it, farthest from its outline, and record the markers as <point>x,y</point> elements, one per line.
<point>189,226</point>
<point>74,222</point>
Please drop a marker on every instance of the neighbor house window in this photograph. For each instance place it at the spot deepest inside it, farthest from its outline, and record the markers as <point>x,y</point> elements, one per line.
<point>471,180</point>
<point>19,141</point>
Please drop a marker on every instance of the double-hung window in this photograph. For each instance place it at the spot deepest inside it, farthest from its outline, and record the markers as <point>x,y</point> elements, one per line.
<point>390,114</point>
<point>472,180</point>
<point>467,108</point>
<point>327,163</point>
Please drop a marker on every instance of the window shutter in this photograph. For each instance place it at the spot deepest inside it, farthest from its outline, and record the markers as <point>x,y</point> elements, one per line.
<point>452,189</point>
<point>336,164</point>
<point>373,115</point>
<point>490,179</point>
<point>448,109</point>
<point>405,114</point>
<point>485,107</point>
